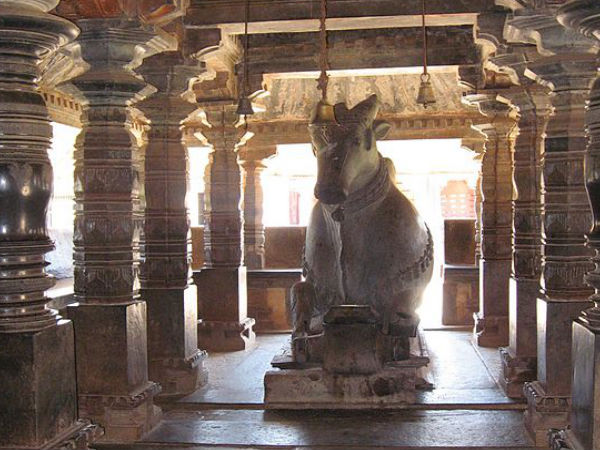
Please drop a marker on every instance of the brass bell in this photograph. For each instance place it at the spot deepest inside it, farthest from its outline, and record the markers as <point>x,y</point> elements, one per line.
<point>426,95</point>
<point>324,113</point>
<point>244,106</point>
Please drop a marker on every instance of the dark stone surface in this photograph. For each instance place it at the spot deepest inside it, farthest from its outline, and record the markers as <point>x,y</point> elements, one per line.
<point>37,392</point>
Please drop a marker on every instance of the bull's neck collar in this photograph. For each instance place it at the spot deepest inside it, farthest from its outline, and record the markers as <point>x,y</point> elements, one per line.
<point>370,193</point>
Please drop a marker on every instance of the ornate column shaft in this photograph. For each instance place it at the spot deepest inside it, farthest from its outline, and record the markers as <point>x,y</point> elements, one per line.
<point>222,286</point>
<point>38,390</point>
<point>491,327</point>
<point>254,229</point>
<point>519,358</point>
<point>584,432</point>
<point>112,367</point>
<point>565,220</point>
<point>173,356</point>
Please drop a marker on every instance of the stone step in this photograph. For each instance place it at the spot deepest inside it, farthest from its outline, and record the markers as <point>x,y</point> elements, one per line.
<point>324,430</point>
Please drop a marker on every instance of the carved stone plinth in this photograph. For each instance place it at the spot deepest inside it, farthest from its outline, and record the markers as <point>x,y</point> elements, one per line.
<point>346,367</point>
<point>223,309</point>
<point>548,398</point>
<point>491,323</point>
<point>544,411</point>
<point>114,392</point>
<point>173,356</point>
<point>112,367</point>
<point>38,394</point>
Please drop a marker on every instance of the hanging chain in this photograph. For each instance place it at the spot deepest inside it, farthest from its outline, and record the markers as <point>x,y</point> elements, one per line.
<point>246,39</point>
<point>323,80</point>
<point>424,39</point>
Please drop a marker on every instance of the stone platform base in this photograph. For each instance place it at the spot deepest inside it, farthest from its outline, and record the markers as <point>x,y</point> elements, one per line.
<point>295,385</point>
<point>226,336</point>
<point>490,331</point>
<point>124,418</point>
<point>544,412</point>
<point>515,372</point>
<point>461,294</point>
<point>179,376</point>
<point>390,388</point>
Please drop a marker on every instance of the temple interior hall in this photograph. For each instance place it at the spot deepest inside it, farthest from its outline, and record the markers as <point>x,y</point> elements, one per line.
<point>299,224</point>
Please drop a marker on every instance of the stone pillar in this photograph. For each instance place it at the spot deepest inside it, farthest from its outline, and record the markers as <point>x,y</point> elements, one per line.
<point>174,360</point>
<point>519,358</point>
<point>222,288</point>
<point>491,323</point>
<point>565,220</point>
<point>37,362</point>
<point>584,432</point>
<point>254,229</point>
<point>110,320</point>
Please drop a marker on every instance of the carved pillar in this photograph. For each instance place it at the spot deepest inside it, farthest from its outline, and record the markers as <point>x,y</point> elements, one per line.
<point>584,432</point>
<point>110,320</point>
<point>222,287</point>
<point>174,360</point>
<point>565,220</point>
<point>491,327</point>
<point>37,361</point>
<point>519,358</point>
<point>251,158</point>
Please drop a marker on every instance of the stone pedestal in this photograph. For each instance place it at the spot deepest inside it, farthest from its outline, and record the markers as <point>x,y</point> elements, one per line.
<point>114,392</point>
<point>110,320</point>
<point>222,289</point>
<point>461,295</point>
<point>548,398</point>
<point>38,395</point>
<point>491,322</point>
<point>223,307</point>
<point>173,355</point>
<point>347,366</point>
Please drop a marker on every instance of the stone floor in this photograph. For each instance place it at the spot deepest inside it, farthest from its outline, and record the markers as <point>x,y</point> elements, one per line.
<point>467,410</point>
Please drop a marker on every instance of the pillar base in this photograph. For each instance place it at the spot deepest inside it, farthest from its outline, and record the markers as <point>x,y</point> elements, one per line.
<point>563,440</point>
<point>516,371</point>
<point>490,331</point>
<point>178,376</point>
<point>544,412</point>
<point>38,391</point>
<point>226,336</point>
<point>125,418</point>
<point>174,360</point>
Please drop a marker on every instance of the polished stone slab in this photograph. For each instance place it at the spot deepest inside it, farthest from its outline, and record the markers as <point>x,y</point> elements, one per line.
<point>343,429</point>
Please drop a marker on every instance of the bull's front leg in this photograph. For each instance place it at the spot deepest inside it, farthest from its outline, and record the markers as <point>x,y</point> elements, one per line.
<point>302,305</point>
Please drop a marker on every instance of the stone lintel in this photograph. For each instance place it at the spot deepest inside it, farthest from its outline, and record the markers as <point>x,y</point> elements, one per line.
<point>300,15</point>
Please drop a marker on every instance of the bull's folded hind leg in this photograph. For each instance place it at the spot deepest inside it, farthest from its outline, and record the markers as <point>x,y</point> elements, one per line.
<point>302,304</point>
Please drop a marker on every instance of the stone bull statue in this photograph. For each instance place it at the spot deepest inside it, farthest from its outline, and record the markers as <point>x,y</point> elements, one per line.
<point>365,244</point>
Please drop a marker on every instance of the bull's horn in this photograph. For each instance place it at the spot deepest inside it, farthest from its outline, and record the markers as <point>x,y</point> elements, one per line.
<point>364,112</point>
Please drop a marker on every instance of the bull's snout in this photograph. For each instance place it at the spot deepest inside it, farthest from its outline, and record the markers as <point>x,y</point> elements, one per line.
<point>329,194</point>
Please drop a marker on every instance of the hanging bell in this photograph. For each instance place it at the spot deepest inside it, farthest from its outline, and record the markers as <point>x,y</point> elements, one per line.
<point>244,106</point>
<point>324,113</point>
<point>426,95</point>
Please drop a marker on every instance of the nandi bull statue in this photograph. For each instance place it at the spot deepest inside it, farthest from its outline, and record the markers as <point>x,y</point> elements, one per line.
<point>368,258</point>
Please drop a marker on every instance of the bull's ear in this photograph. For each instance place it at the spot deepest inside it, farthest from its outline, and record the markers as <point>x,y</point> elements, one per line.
<point>381,129</point>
